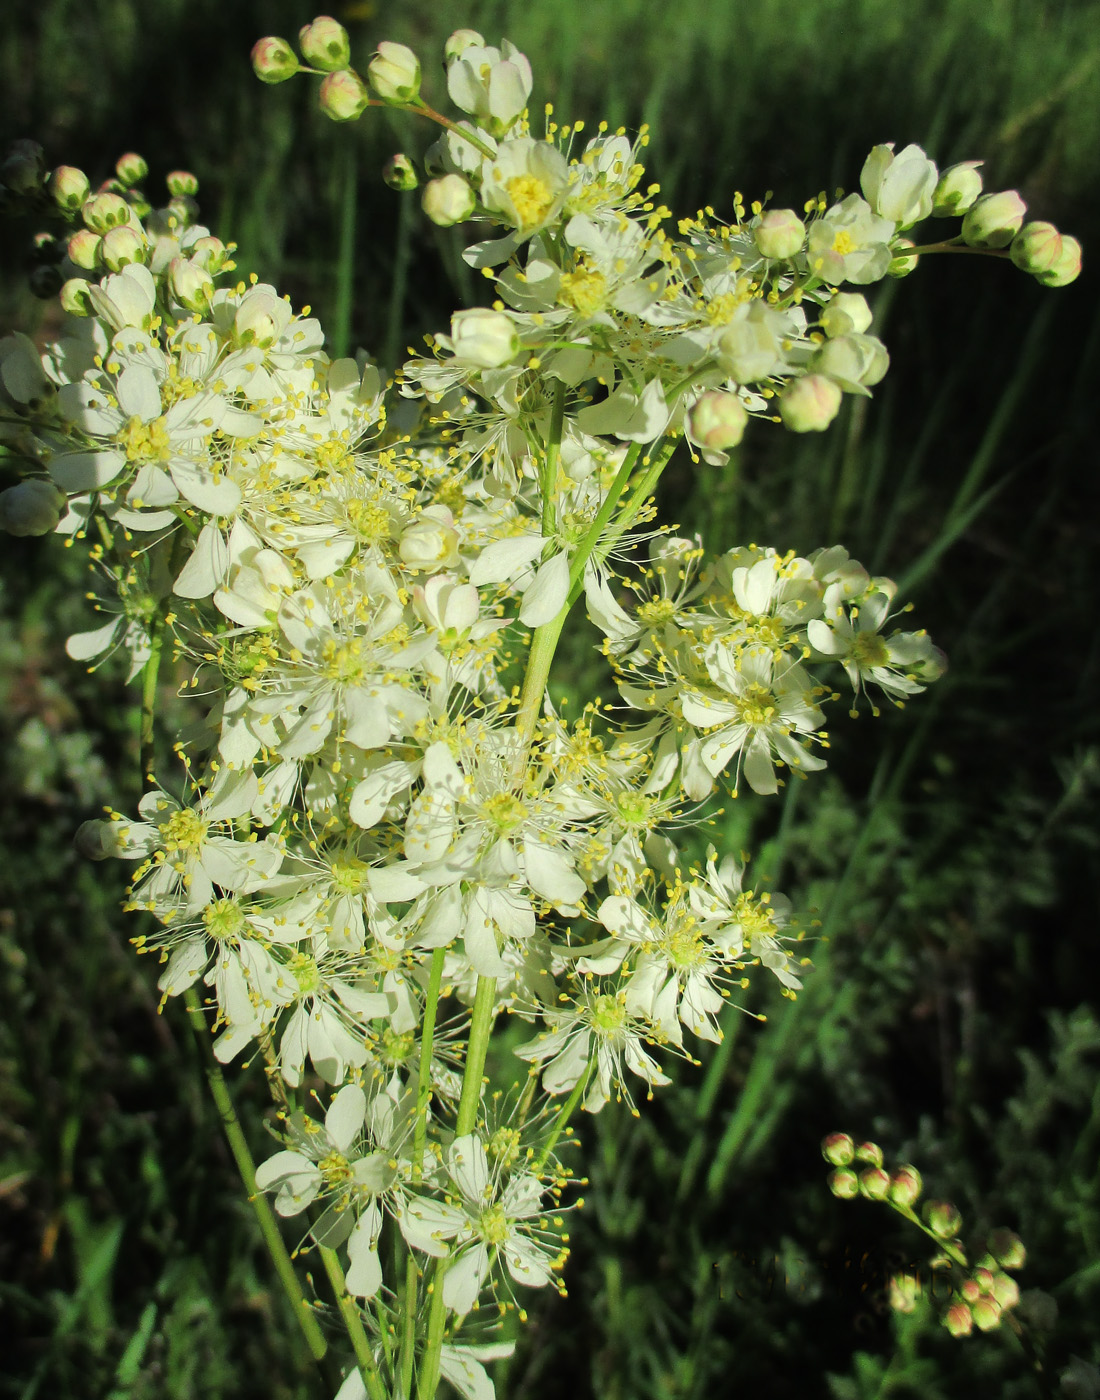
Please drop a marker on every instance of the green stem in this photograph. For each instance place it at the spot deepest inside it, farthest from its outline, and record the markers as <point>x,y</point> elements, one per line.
<point>269,1228</point>
<point>349,1311</point>
<point>345,256</point>
<point>421,108</point>
<point>149,676</point>
<point>550,462</point>
<point>603,515</point>
<point>564,1114</point>
<point>395,318</point>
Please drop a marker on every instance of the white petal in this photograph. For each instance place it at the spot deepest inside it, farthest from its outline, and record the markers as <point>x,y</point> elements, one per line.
<point>546,596</point>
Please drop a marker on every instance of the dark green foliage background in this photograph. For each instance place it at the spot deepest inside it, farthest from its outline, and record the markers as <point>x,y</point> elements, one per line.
<point>950,850</point>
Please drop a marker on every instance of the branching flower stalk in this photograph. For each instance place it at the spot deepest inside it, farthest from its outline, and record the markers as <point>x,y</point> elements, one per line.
<point>373,847</point>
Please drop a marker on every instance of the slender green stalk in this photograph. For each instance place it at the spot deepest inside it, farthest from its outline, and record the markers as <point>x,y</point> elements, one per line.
<point>265,1217</point>
<point>149,675</point>
<point>603,515</point>
<point>346,249</point>
<point>349,1311</point>
<point>395,316</point>
<point>564,1114</point>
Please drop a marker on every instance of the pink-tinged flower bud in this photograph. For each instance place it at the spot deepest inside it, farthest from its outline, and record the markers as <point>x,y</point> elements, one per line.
<point>104,212</point>
<point>957,189</point>
<point>459,42</point>
<point>869,1152</point>
<point>970,1289</point>
<point>844,1183</point>
<point>1006,1291</point>
<point>182,183</point>
<point>192,286</point>
<point>809,405</point>
<point>122,246</point>
<point>69,187</point>
<point>74,297</point>
<point>273,60</point>
<point>394,73</point>
<point>344,96</point>
<point>1068,267</point>
<point>905,1186</point>
<point>484,338</point>
<point>1036,248</point>
<point>84,249</point>
<point>986,1313</point>
<point>400,173</point>
<point>993,220</point>
<point>846,314</point>
<point>718,420</point>
<point>983,1277</point>
<point>900,264</point>
<point>780,234</point>
<point>24,167</point>
<point>874,1183</point>
<point>131,168</point>
<point>1007,1248</point>
<point>943,1219</point>
<point>448,200</point>
<point>958,1320</point>
<point>904,1292</point>
<point>209,253</point>
<point>838,1148</point>
<point>325,44</point>
<point>33,507</point>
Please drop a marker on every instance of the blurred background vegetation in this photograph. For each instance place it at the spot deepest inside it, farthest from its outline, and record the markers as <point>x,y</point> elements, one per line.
<point>949,852</point>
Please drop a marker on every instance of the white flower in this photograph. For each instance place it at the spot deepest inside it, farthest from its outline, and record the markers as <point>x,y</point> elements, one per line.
<point>899,187</point>
<point>493,85</point>
<point>850,243</point>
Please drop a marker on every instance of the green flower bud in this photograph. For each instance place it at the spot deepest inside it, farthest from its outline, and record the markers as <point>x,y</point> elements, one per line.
<point>344,96</point>
<point>943,1219</point>
<point>121,246</point>
<point>718,420</point>
<point>1036,248</point>
<point>869,1152</point>
<point>809,405</point>
<point>184,210</point>
<point>780,234</point>
<point>1007,1248</point>
<point>191,285</point>
<point>69,187</point>
<point>905,1186</point>
<point>1006,1291</point>
<point>904,1292</point>
<point>209,253</point>
<point>273,60</point>
<point>484,338</point>
<point>104,212</point>
<point>32,507</point>
<point>400,173</point>
<point>74,297</point>
<point>874,1183</point>
<point>131,169</point>
<point>844,1183</point>
<point>84,249</point>
<point>900,265</point>
<point>459,42</point>
<point>325,44</point>
<point>957,189</point>
<point>854,361</point>
<point>24,168</point>
<point>838,1148</point>
<point>986,1313</point>
<point>958,1320</point>
<point>394,74</point>
<point>845,314</point>
<point>993,220</point>
<point>448,200</point>
<point>1068,266</point>
<point>182,183</point>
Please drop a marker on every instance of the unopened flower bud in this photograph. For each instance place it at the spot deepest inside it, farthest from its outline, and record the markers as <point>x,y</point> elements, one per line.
<point>1007,1248</point>
<point>970,1289</point>
<point>448,200</point>
<point>184,210</point>
<point>69,187</point>
<point>809,404</point>
<point>459,42</point>
<point>856,362</point>
<point>84,249</point>
<point>838,1148</point>
<point>74,297</point>
<point>209,253</point>
<point>869,1152</point>
<point>874,1183</point>
<point>957,189</point>
<point>484,338</point>
<point>943,1219</point>
<point>400,173</point>
<point>104,212</point>
<point>182,182</point>
<point>844,1183</point>
<point>192,286</point>
<point>1068,266</point>
<point>958,1320</point>
<point>779,234</point>
<point>845,314</point>
<point>344,96</point>
<point>900,264</point>
<point>273,60</point>
<point>325,44</point>
<point>986,1313</point>
<point>131,168</point>
<point>993,220</point>
<point>24,168</point>
<point>983,1278</point>
<point>394,73</point>
<point>32,507</point>
<point>905,1186</point>
<point>257,320</point>
<point>904,1292</point>
<point>1006,1291</point>
<point>122,246</point>
<point>718,420</point>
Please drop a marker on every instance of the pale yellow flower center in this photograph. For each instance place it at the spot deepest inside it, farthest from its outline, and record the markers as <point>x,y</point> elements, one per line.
<point>868,650</point>
<point>843,243</point>
<point>531,198</point>
<point>183,831</point>
<point>756,706</point>
<point>504,811</point>
<point>145,442</point>
<point>584,290</point>
<point>305,972</point>
<point>493,1225</point>
<point>349,874</point>
<point>223,919</point>
<point>608,1015</point>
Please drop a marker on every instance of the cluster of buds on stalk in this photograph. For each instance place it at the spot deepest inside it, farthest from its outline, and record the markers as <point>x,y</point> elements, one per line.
<point>967,1295</point>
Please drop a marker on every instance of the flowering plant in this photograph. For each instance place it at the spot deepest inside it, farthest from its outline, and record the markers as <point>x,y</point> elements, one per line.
<point>382,836</point>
